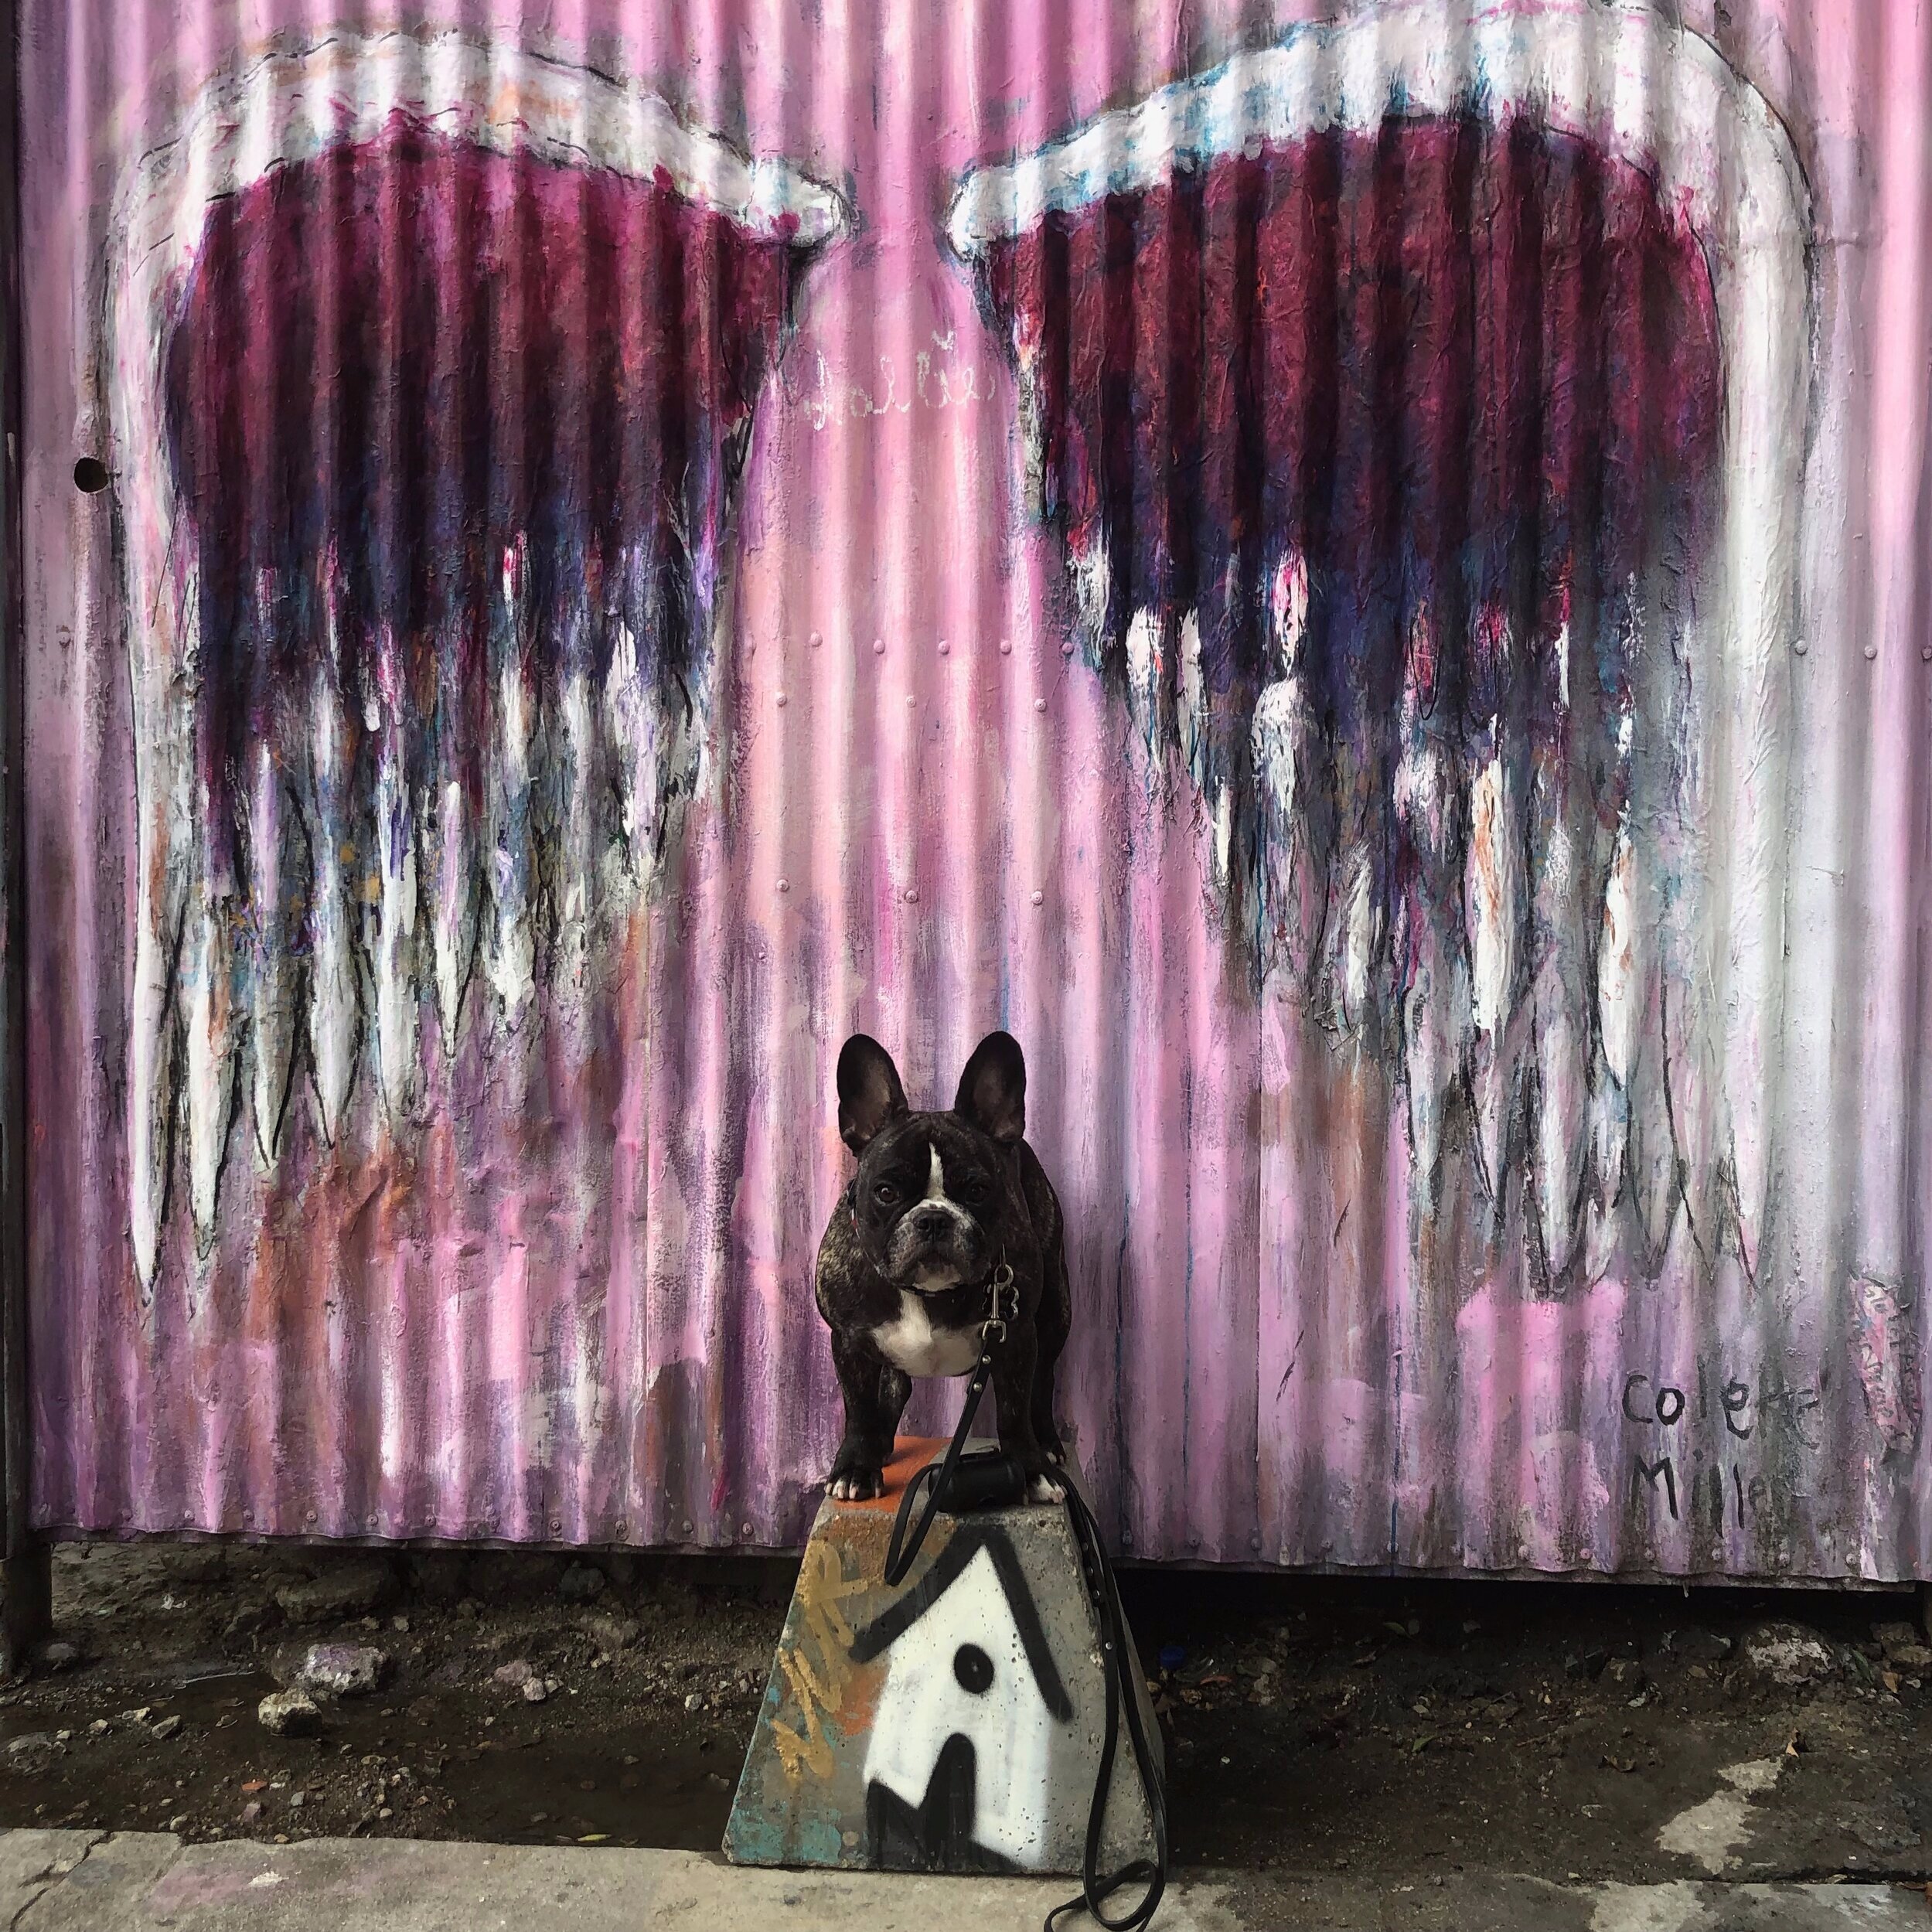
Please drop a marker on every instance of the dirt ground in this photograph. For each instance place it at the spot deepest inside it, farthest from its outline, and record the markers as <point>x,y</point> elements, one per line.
<point>1411,1730</point>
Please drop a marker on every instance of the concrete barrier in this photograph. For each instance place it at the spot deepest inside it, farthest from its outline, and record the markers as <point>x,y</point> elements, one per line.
<point>952,1725</point>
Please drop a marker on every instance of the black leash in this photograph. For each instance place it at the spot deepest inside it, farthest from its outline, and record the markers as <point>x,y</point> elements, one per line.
<point>985,1481</point>
<point>940,1480</point>
<point>1118,1656</point>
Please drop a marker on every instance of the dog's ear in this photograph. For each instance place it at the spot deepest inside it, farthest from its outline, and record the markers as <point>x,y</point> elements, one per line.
<point>992,1090</point>
<point>870,1094</point>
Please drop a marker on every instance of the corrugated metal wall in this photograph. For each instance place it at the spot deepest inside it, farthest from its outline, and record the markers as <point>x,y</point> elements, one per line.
<point>1358,582</point>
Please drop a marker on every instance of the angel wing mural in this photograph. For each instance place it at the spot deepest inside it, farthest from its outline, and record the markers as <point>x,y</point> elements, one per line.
<point>433,364</point>
<point>1419,402</point>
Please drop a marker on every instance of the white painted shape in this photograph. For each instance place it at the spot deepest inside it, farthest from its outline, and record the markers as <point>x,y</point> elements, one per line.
<point>510,956</point>
<point>1619,1003</point>
<point>1597,76</point>
<point>576,857</point>
<point>392,944</point>
<point>1146,668</point>
<point>454,924</point>
<point>1288,611</point>
<point>332,1005</point>
<point>910,1342</point>
<point>922,1704</point>
<point>1091,586</point>
<point>1435,1000</point>
<point>206,995</point>
<point>1193,720</point>
<point>1491,895</point>
<point>635,722</point>
<point>269,979</point>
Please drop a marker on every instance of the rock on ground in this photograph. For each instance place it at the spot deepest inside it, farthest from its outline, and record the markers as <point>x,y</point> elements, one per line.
<point>342,1589</point>
<point>342,1670</point>
<point>1789,1654</point>
<point>613,1634</point>
<point>289,1714</point>
<point>1904,1649</point>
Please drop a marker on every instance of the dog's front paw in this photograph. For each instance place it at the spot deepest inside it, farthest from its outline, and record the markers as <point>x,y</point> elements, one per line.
<point>1044,1489</point>
<point>853,1480</point>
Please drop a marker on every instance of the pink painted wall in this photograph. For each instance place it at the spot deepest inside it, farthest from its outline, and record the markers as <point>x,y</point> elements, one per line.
<point>565,1293</point>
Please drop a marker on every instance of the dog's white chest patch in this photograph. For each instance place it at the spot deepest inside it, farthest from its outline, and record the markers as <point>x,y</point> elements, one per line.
<point>913,1343</point>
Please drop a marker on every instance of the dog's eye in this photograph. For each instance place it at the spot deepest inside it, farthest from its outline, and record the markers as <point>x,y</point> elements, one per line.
<point>972,1191</point>
<point>885,1194</point>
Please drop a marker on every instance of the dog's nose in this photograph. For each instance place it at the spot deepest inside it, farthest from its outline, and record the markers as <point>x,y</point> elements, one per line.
<point>930,1220</point>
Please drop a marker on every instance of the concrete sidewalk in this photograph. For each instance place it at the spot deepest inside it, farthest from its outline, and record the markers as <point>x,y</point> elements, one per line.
<point>93,1882</point>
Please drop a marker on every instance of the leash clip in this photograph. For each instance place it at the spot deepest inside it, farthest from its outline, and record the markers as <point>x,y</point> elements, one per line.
<point>994,1328</point>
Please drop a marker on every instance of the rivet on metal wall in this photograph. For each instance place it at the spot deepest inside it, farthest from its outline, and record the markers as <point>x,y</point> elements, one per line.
<point>687,1526</point>
<point>815,640</point>
<point>912,895</point>
<point>744,1529</point>
<point>910,699</point>
<point>945,648</point>
<point>1254,1539</point>
<point>1039,704</point>
<point>308,1516</point>
<point>1800,646</point>
<point>372,1521</point>
<point>878,647</point>
<point>623,1527</point>
<point>1006,647</point>
<point>780,700</point>
<point>1066,647</point>
<point>556,1525</point>
<point>1871,651</point>
<point>1039,899</point>
<point>785,885</point>
<point>1126,1539</point>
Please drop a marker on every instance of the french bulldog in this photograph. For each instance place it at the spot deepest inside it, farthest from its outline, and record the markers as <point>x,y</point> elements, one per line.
<point>906,1270</point>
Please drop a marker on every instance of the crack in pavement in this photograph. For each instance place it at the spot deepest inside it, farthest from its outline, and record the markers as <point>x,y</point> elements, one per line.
<point>49,1876</point>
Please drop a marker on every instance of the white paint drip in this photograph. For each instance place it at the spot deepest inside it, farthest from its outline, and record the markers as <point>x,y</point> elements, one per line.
<point>334,1031</point>
<point>205,987</point>
<point>1147,669</point>
<point>392,944</point>
<point>1491,895</point>
<point>270,978</point>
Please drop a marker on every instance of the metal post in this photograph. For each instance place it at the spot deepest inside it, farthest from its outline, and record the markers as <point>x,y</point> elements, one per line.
<point>25,1594</point>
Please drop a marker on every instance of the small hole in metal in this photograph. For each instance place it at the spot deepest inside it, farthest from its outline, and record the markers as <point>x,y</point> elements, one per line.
<point>91,475</point>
